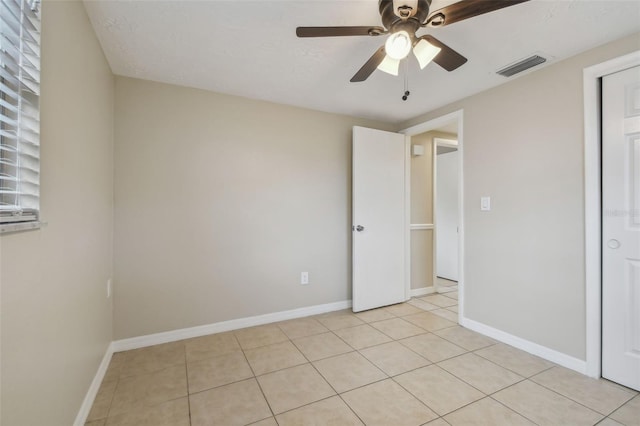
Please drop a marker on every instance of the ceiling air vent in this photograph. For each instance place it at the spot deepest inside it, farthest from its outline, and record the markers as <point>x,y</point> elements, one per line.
<point>522,65</point>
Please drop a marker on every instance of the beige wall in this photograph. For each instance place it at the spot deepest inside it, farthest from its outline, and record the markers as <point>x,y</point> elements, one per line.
<point>524,260</point>
<point>221,202</point>
<point>421,258</point>
<point>56,319</point>
<point>422,177</point>
<point>422,180</point>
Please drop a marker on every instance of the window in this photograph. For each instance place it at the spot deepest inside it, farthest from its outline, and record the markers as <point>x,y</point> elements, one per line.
<point>19,110</point>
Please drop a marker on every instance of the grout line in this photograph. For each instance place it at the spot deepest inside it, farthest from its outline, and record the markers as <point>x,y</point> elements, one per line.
<point>353,347</point>
<point>425,357</point>
<point>358,351</point>
<point>352,410</point>
<point>387,377</point>
<point>418,399</point>
<point>466,382</point>
<point>323,378</point>
<point>336,393</point>
<point>495,342</point>
<point>118,378</point>
<point>112,396</point>
<point>553,391</point>
<point>509,408</point>
<point>220,386</point>
<point>486,395</point>
<point>572,399</point>
<point>312,366</point>
<point>186,372</point>
<point>255,378</point>
<point>476,352</point>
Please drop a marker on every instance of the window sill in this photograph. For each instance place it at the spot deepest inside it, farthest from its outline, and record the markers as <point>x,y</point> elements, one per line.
<point>8,228</point>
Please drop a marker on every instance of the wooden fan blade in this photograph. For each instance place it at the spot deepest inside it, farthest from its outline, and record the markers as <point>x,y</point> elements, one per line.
<point>465,9</point>
<point>338,31</point>
<point>448,58</point>
<point>370,66</point>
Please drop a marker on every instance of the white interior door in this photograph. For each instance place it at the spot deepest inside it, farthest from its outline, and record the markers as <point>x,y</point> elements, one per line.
<point>447,215</point>
<point>621,227</point>
<point>379,220</point>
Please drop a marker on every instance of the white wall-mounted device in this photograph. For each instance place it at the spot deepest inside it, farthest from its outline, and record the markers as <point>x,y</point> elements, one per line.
<point>417,150</point>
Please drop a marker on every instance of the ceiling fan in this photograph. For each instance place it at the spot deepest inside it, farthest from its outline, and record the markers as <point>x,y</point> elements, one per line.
<point>401,19</point>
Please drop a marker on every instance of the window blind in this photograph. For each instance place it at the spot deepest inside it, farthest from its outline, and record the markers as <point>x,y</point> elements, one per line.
<point>19,110</point>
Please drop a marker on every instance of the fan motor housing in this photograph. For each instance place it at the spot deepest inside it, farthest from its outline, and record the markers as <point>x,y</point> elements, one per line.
<point>390,20</point>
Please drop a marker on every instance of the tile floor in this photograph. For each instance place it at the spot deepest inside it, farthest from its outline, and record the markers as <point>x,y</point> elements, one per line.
<point>407,364</point>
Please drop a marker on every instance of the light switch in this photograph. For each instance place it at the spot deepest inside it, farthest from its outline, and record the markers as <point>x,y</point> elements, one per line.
<point>485,204</point>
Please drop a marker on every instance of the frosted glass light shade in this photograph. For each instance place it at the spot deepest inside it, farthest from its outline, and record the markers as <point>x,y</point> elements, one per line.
<point>398,45</point>
<point>389,65</point>
<point>425,52</point>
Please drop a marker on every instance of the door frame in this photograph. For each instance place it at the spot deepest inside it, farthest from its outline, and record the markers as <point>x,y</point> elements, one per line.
<point>592,78</point>
<point>426,126</point>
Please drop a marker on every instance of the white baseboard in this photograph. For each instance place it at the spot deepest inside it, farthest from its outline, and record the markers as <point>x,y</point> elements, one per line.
<point>218,327</point>
<point>186,333</point>
<point>87,403</point>
<point>417,292</point>
<point>533,348</point>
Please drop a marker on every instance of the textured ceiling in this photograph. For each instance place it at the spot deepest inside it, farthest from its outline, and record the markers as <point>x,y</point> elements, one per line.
<point>249,48</point>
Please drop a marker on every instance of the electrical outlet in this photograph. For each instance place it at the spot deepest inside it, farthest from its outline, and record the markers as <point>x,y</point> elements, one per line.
<point>109,288</point>
<point>304,278</point>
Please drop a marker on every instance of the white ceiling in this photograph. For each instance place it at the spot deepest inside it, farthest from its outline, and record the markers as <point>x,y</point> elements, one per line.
<point>249,48</point>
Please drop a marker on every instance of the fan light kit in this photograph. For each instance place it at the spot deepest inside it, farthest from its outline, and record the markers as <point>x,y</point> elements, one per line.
<point>425,52</point>
<point>401,19</point>
<point>398,45</point>
<point>389,65</point>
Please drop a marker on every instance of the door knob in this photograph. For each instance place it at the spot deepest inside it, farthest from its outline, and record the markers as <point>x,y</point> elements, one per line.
<point>613,244</point>
<point>359,228</point>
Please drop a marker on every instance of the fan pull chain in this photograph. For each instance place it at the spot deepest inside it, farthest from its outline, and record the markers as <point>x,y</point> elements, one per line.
<point>406,81</point>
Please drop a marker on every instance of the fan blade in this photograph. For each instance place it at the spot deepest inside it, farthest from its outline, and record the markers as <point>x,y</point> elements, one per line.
<point>465,9</point>
<point>448,58</point>
<point>370,66</point>
<point>338,31</point>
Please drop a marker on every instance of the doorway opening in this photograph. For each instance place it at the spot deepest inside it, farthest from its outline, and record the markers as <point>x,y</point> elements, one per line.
<point>445,173</point>
<point>422,151</point>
